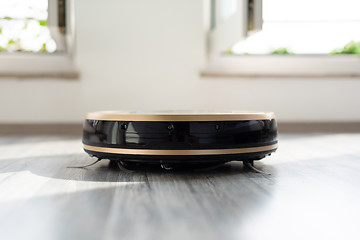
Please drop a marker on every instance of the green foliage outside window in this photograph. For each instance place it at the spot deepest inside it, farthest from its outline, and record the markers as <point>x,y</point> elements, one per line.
<point>15,44</point>
<point>281,51</point>
<point>350,48</point>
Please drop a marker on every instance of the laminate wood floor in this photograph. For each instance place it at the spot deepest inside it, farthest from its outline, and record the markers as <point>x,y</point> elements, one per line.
<point>313,192</point>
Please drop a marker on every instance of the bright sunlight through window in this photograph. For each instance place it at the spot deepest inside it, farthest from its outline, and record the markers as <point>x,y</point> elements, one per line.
<point>23,27</point>
<point>306,27</point>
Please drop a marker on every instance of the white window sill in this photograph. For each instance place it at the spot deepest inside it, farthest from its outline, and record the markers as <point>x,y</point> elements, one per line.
<point>22,65</point>
<point>280,66</point>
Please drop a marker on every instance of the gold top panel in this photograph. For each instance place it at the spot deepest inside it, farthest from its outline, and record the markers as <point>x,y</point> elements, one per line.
<point>178,116</point>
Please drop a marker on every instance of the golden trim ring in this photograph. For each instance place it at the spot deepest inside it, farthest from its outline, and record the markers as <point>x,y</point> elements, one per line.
<point>179,116</point>
<point>180,152</point>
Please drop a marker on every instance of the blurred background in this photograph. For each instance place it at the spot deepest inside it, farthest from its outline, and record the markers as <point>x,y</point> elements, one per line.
<point>61,59</point>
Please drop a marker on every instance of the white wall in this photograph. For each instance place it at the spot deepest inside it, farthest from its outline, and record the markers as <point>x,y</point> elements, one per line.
<point>140,54</point>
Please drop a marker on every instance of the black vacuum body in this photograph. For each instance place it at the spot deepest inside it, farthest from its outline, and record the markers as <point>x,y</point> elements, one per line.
<point>179,138</point>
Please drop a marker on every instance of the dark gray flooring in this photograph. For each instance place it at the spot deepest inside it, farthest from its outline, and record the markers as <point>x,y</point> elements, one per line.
<point>313,192</point>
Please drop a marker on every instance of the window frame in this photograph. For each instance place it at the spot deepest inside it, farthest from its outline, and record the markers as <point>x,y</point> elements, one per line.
<point>47,65</point>
<point>232,25</point>
<point>269,66</point>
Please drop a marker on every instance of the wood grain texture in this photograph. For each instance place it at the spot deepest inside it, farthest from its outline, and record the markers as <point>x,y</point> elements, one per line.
<point>313,192</point>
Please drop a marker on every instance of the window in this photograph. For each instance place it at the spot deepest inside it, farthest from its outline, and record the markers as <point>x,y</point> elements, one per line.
<point>36,38</point>
<point>294,27</point>
<point>284,38</point>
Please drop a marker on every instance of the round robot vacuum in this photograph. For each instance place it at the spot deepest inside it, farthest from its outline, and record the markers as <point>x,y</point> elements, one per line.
<point>180,138</point>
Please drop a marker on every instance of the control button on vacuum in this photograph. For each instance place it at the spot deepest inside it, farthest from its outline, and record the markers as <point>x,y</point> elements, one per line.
<point>124,126</point>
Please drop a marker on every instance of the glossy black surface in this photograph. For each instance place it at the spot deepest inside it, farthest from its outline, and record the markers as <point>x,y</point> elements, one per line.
<point>180,135</point>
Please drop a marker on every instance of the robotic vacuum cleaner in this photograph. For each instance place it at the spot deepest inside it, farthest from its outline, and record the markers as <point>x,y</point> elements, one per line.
<point>174,139</point>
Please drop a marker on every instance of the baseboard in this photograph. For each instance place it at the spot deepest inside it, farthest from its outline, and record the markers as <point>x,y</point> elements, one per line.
<point>76,128</point>
<point>41,129</point>
<point>319,127</point>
